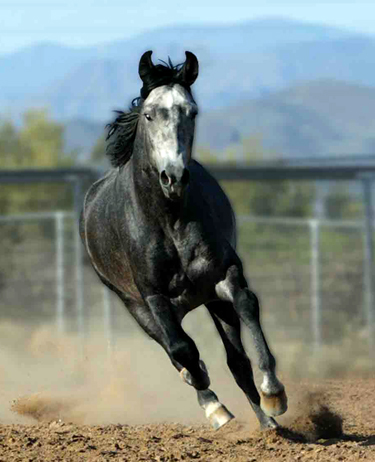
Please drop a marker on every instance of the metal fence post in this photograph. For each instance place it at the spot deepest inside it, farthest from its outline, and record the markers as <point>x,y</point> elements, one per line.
<point>79,289</point>
<point>107,317</point>
<point>60,293</point>
<point>369,259</point>
<point>316,315</point>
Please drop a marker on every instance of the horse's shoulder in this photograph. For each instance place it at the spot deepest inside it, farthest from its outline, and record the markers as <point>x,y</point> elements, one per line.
<point>198,169</point>
<point>98,187</point>
<point>212,199</point>
<point>203,178</point>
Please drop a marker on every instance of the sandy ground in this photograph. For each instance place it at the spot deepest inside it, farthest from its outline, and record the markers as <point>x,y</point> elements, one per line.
<point>336,426</point>
<point>62,402</point>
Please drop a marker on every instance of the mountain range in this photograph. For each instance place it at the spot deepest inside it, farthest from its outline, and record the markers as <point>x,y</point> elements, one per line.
<point>318,118</point>
<point>304,88</point>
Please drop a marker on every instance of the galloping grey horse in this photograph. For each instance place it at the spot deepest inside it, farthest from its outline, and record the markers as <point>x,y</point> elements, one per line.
<point>161,233</point>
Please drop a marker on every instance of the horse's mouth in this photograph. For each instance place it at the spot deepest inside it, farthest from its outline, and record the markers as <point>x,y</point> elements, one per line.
<point>175,193</point>
<point>172,196</point>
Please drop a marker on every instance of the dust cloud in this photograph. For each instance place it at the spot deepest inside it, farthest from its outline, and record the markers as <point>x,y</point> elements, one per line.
<point>312,419</point>
<point>45,376</point>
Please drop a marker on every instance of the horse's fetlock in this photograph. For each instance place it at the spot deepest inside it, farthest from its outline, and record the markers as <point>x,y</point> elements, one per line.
<point>271,385</point>
<point>267,364</point>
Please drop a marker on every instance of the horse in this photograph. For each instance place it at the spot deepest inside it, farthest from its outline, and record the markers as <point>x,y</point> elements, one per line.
<point>161,233</point>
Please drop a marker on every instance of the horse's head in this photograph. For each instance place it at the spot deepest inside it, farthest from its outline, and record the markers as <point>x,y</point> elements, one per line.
<point>168,120</point>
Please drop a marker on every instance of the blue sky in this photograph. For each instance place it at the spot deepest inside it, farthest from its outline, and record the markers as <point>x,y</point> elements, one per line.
<point>87,22</point>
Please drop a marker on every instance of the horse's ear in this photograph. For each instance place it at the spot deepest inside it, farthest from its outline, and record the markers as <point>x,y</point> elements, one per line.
<point>145,65</point>
<point>190,69</point>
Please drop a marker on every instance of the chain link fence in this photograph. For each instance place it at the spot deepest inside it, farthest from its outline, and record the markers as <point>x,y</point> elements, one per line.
<point>311,276</point>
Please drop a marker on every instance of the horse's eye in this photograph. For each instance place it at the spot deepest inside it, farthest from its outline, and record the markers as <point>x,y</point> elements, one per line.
<point>148,117</point>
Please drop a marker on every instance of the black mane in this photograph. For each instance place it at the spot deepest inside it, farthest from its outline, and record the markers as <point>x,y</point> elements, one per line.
<point>122,131</point>
<point>121,134</point>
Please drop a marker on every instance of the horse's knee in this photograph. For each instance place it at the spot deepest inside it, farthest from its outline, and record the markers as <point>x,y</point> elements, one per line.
<point>183,352</point>
<point>247,306</point>
<point>199,379</point>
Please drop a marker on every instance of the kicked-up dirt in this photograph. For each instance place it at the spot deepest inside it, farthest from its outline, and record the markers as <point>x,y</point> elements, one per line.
<point>335,425</point>
<point>62,402</point>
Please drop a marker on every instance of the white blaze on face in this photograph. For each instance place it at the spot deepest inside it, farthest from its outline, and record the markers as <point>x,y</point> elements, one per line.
<point>169,121</point>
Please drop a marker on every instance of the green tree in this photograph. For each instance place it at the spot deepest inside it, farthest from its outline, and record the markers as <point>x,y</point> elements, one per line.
<point>12,150</point>
<point>340,204</point>
<point>97,155</point>
<point>45,139</point>
<point>39,143</point>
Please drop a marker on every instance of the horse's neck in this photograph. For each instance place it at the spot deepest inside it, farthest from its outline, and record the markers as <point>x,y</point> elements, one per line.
<point>149,195</point>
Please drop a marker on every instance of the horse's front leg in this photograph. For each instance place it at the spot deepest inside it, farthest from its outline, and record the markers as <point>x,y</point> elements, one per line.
<point>185,357</point>
<point>180,347</point>
<point>234,289</point>
<point>228,325</point>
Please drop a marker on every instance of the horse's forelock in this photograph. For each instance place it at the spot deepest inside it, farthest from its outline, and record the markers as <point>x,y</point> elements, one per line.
<point>160,75</point>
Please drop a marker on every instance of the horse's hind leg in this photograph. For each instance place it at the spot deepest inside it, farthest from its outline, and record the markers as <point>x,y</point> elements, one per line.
<point>228,325</point>
<point>234,289</point>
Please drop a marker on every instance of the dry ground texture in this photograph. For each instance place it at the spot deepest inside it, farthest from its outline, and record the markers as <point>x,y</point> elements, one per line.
<point>61,401</point>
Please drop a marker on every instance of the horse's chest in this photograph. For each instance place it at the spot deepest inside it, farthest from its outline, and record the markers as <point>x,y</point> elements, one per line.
<point>198,271</point>
<point>184,265</point>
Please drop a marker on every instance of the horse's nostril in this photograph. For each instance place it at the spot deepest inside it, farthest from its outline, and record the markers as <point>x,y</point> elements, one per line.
<point>185,177</point>
<point>170,179</point>
<point>164,178</point>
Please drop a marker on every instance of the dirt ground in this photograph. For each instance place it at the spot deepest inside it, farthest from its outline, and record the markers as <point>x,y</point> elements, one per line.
<point>335,425</point>
<point>61,403</point>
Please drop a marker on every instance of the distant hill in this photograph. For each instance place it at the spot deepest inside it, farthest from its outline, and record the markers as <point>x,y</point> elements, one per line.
<point>35,68</point>
<point>325,117</point>
<point>237,62</point>
<point>233,39</point>
<point>304,89</point>
<point>81,135</point>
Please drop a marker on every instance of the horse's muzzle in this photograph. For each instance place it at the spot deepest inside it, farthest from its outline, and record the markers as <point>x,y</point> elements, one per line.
<point>174,181</point>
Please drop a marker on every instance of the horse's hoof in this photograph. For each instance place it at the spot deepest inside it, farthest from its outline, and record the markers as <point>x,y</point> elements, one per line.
<point>274,405</point>
<point>218,415</point>
<point>269,424</point>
